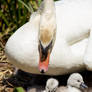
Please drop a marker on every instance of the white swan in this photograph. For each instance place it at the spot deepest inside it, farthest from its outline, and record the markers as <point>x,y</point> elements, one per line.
<point>74,22</point>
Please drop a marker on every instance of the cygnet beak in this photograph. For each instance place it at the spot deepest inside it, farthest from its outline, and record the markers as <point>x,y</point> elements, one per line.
<point>83,86</point>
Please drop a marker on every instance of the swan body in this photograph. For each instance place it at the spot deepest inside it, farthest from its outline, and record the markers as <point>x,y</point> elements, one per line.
<point>74,22</point>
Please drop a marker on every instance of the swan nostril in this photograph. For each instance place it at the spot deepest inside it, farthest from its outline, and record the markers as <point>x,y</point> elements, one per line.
<point>42,71</point>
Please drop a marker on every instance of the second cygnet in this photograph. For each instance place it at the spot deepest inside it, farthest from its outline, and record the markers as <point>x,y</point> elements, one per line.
<point>51,85</point>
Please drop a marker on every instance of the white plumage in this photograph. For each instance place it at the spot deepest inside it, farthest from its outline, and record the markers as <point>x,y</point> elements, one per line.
<point>74,22</point>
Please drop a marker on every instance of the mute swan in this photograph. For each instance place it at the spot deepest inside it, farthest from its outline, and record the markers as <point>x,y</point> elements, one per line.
<point>75,83</point>
<point>70,50</point>
<point>51,85</point>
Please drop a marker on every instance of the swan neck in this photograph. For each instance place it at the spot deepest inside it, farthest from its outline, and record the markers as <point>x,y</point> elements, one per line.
<point>48,5</point>
<point>47,22</point>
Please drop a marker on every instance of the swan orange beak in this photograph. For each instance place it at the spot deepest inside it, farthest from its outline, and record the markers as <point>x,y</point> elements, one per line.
<point>43,65</point>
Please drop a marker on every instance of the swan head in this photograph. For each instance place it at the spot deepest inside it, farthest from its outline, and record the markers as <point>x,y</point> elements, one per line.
<point>51,85</point>
<point>47,34</point>
<point>76,80</point>
<point>46,43</point>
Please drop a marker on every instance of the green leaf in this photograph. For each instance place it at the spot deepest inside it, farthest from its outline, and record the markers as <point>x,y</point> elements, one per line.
<point>18,89</point>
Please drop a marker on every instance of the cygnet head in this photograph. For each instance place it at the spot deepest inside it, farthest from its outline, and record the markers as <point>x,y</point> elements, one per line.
<point>51,85</point>
<point>76,80</point>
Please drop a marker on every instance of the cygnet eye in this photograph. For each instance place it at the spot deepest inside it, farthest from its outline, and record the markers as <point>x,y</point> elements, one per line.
<point>47,87</point>
<point>78,80</point>
<point>54,90</point>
